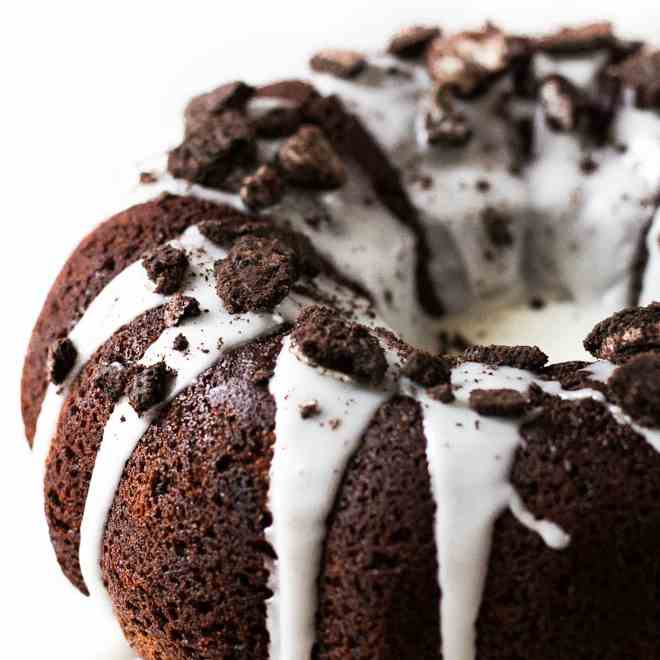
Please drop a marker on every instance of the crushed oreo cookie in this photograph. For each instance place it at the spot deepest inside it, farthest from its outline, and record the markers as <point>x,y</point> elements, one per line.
<point>180,343</point>
<point>339,345</point>
<point>262,189</point>
<point>498,403</point>
<point>308,159</point>
<point>309,409</point>
<point>636,388</point>
<point>231,96</point>
<point>256,275</point>
<point>111,378</point>
<point>411,42</point>
<point>575,40</point>
<point>210,153</point>
<point>180,308</point>
<point>234,225</point>
<point>62,355</point>
<point>278,122</point>
<point>425,369</point>
<point>531,358</point>
<point>625,334</point>
<point>148,388</point>
<point>467,62</point>
<point>443,393</point>
<point>340,63</point>
<point>166,267</point>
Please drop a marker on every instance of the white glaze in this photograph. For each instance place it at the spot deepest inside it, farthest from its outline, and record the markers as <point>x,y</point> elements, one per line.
<point>309,459</point>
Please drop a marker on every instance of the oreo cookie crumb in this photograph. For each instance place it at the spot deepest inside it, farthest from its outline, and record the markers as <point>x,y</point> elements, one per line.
<point>636,388</point>
<point>62,355</point>
<point>148,388</point>
<point>425,369</point>
<point>625,334</point>
<point>575,40</point>
<point>498,403</point>
<point>256,275</point>
<point>262,189</point>
<point>443,393</point>
<point>180,343</point>
<point>309,409</point>
<point>331,342</point>
<point>180,308</point>
<point>111,378</point>
<point>588,165</point>
<point>166,267</point>
<point>231,96</point>
<point>339,63</point>
<point>334,423</point>
<point>641,73</point>
<point>308,159</point>
<point>531,358</point>
<point>411,42</point>
<point>148,178</point>
<point>224,232</point>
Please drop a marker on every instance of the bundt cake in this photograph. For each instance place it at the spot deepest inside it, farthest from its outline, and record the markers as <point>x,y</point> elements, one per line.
<point>274,419</point>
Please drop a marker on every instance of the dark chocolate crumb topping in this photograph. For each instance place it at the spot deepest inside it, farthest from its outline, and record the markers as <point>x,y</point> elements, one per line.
<point>180,343</point>
<point>626,333</point>
<point>263,188</point>
<point>62,356</point>
<point>498,227</point>
<point>256,275</point>
<point>310,409</point>
<point>179,309</point>
<point>426,369</point>
<point>443,393</point>
<point>278,122</point>
<point>231,96</point>
<point>340,63</point>
<point>148,388</point>
<point>531,358</point>
<point>412,41</point>
<point>498,403</point>
<point>111,378</point>
<point>166,267</point>
<point>636,388</point>
<point>575,40</point>
<point>309,159</point>
<point>333,343</point>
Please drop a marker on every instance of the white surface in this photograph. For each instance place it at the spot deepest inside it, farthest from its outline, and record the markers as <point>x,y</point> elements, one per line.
<point>89,89</point>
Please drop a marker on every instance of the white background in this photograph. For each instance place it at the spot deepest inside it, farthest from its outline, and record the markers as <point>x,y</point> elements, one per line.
<point>89,89</point>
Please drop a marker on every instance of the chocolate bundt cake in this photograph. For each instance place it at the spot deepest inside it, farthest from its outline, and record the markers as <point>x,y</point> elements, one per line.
<point>272,422</point>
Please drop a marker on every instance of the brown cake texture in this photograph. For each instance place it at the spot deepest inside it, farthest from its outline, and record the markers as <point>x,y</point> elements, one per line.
<point>186,558</point>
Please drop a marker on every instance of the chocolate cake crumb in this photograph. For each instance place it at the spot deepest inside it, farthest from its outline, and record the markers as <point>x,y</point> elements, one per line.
<point>148,388</point>
<point>180,308</point>
<point>425,369</point>
<point>531,358</point>
<point>575,40</point>
<point>111,378</point>
<point>625,334</point>
<point>62,355</point>
<point>498,403</point>
<point>309,159</point>
<point>210,152</point>
<point>498,227</point>
<point>443,393</point>
<point>262,189</point>
<point>333,343</point>
<point>636,388</point>
<point>180,343</point>
<point>278,122</point>
<point>309,409</point>
<point>166,267</point>
<point>411,42</point>
<point>256,275</point>
<point>339,63</point>
<point>641,72</point>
